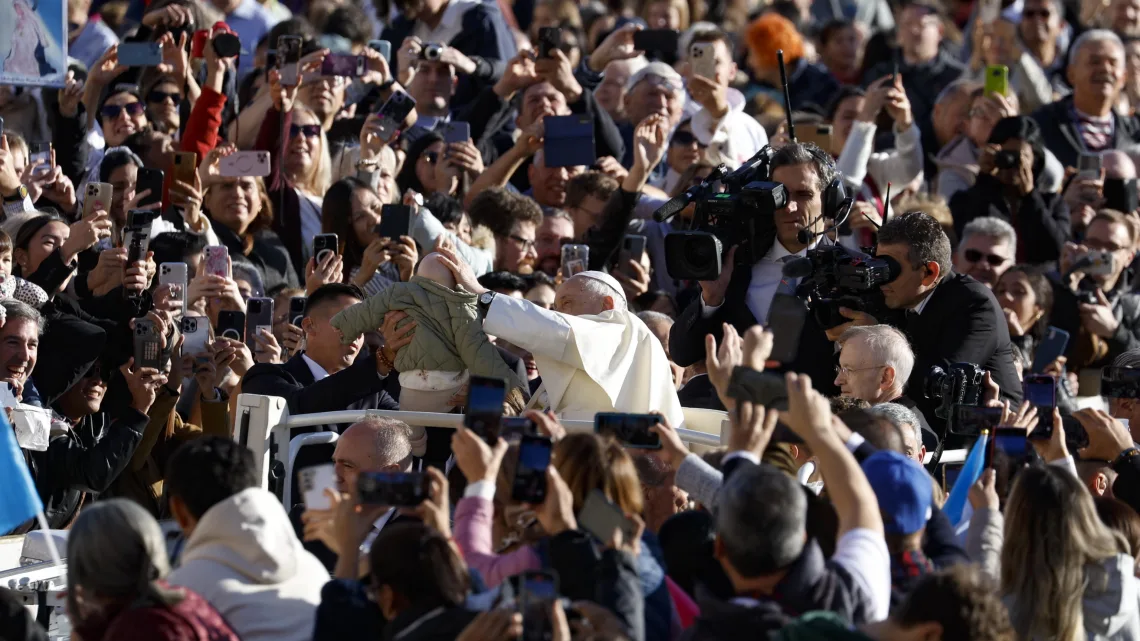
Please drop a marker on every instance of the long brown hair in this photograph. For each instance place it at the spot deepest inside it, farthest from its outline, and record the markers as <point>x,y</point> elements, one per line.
<point>588,462</point>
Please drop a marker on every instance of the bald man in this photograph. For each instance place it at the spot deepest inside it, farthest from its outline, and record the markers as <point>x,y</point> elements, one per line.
<point>371,445</point>
<point>593,354</point>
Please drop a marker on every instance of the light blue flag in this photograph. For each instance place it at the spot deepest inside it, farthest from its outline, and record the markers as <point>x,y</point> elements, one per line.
<point>971,471</point>
<point>19,500</point>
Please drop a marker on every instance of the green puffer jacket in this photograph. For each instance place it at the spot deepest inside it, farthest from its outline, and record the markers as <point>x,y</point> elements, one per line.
<point>448,337</point>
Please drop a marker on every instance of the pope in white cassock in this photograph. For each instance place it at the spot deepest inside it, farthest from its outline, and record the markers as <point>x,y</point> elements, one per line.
<point>593,354</point>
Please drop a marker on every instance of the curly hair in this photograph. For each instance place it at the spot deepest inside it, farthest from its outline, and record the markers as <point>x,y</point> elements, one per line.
<point>961,600</point>
<point>770,33</point>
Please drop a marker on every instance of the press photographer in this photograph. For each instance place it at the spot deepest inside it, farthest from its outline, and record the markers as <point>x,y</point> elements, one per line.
<point>743,292</point>
<point>950,318</point>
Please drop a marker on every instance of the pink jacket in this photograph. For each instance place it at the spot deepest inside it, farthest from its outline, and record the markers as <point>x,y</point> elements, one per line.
<point>473,517</point>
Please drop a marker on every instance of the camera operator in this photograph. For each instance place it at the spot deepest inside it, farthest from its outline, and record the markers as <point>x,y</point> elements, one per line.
<point>742,294</point>
<point>1101,315</point>
<point>950,318</point>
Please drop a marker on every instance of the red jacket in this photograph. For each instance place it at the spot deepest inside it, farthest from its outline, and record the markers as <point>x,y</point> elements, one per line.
<point>192,619</point>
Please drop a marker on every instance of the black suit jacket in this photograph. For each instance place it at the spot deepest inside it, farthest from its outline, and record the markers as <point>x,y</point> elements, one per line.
<point>1063,139</point>
<point>816,356</point>
<point>961,323</point>
<point>357,387</point>
<point>317,548</point>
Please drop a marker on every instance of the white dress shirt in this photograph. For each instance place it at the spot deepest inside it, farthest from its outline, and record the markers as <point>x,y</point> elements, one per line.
<point>319,373</point>
<point>766,276</point>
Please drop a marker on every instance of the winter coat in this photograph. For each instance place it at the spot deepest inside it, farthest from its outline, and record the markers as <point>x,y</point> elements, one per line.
<point>448,338</point>
<point>244,558</point>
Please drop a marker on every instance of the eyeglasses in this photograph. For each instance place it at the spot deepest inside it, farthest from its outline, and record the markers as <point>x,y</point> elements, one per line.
<point>994,260</point>
<point>110,112</point>
<point>431,157</point>
<point>525,242</point>
<point>847,371</point>
<point>687,138</point>
<point>309,131</point>
<point>162,96</point>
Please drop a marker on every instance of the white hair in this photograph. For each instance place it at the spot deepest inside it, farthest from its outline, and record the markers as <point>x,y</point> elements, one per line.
<point>1094,35</point>
<point>597,288</point>
<point>888,344</point>
<point>392,440</point>
<point>901,417</point>
<point>989,226</point>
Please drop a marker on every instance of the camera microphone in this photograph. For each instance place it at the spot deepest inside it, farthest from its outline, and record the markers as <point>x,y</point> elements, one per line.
<point>805,236</point>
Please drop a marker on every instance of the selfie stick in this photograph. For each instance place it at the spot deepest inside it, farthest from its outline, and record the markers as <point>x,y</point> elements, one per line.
<point>787,95</point>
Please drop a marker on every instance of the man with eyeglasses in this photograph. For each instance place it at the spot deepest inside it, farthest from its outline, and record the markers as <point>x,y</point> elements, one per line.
<point>986,250</point>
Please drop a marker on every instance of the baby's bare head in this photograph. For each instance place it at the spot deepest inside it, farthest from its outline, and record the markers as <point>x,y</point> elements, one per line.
<point>433,268</point>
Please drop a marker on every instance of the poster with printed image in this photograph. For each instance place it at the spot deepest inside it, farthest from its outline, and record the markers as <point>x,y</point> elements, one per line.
<point>33,42</point>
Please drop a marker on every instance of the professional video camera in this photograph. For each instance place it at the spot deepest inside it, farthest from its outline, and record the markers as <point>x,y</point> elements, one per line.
<point>833,278</point>
<point>959,384</point>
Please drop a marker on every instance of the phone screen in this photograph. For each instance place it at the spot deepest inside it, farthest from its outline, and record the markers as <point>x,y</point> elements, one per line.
<point>600,518</point>
<point>1011,442</point>
<point>569,141</point>
<point>484,410</point>
<point>632,430</point>
<point>393,489</point>
<point>1050,349</point>
<point>395,221</point>
<point>970,421</point>
<point>516,427</point>
<point>530,474</point>
<point>786,319</point>
<point>538,592</point>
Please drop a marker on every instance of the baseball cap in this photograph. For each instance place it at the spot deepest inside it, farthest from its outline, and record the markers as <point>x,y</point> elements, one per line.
<point>904,489</point>
<point>658,72</point>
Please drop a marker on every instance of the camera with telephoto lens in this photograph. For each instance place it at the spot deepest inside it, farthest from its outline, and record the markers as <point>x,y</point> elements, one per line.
<point>958,384</point>
<point>832,277</point>
<point>432,51</point>
<point>721,221</point>
<point>1007,159</point>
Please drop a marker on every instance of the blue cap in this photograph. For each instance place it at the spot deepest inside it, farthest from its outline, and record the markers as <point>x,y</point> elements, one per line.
<point>904,489</point>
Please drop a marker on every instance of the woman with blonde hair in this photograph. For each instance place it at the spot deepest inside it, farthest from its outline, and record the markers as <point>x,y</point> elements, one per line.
<point>1064,574</point>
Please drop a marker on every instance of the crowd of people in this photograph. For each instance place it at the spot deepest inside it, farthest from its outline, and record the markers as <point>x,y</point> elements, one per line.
<point>366,205</point>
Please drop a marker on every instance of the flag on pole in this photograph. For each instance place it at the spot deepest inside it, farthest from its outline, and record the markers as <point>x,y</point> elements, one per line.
<point>19,501</point>
<point>955,505</point>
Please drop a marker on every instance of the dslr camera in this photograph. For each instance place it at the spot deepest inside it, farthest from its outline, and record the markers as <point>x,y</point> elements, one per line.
<point>431,51</point>
<point>958,384</point>
<point>832,278</point>
<point>722,220</point>
<point>1007,159</point>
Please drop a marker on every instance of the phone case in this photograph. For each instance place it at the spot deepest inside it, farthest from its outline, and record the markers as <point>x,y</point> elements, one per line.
<point>259,313</point>
<point>314,481</point>
<point>174,274</point>
<point>1054,345</point>
<point>600,517</point>
<point>297,310</point>
<point>148,349</point>
<point>549,39</point>
<point>575,259</point>
<point>231,324</point>
<point>245,163</point>
<point>996,80</point>
<point>457,132</point>
<point>288,59</point>
<point>395,221</point>
<point>382,46</point>
<point>786,318</point>
<point>97,196</point>
<point>149,179</point>
<point>633,246</point>
<point>39,157</point>
<point>569,141</point>
<point>337,64</point>
<point>140,54</point>
<point>323,244</point>
<point>393,112</point>
<point>183,167</point>
<point>196,334</point>
<point>702,57</point>
<point>217,262</point>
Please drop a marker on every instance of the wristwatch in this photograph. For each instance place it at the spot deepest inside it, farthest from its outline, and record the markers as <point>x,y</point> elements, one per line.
<point>484,304</point>
<point>19,202</point>
<point>21,193</point>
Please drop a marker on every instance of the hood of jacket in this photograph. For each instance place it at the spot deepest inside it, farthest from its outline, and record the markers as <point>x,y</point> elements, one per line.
<point>735,619</point>
<point>1111,601</point>
<point>249,533</point>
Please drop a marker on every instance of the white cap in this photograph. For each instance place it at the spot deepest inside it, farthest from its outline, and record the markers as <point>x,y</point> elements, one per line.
<point>660,72</point>
<point>605,279</point>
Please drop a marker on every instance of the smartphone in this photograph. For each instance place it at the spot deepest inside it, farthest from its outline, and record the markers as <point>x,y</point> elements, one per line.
<point>600,517</point>
<point>343,64</point>
<point>258,314</point>
<point>513,428</point>
<point>632,248</point>
<point>231,324</point>
<point>702,59</point>
<point>786,318</point>
<point>970,420</point>
<point>996,80</point>
<point>529,485</point>
<point>393,112</point>
<point>245,163</point>
<point>456,132</point>
<point>950,474</point>
<point>384,47</point>
<point>569,141</point>
<point>39,158</point>
<point>217,261</point>
<point>1011,443</point>
<point>549,39</point>
<point>1050,349</point>
<point>140,54</point>
<point>137,239</point>
<point>819,135</point>
<point>314,481</point>
<point>148,344</point>
<point>174,274</point>
<point>393,489</point>
<point>289,59</point>
<point>297,310</point>
<point>395,221</point>
<point>97,196</point>
<point>324,244</point>
<point>184,167</point>
<point>632,430</point>
<point>196,335</point>
<point>1041,391</point>
<point>1088,166</point>
<point>484,411</point>
<point>538,590</point>
<point>763,388</point>
<point>150,180</point>
<point>1120,382</point>
<point>575,259</point>
<point>661,41</point>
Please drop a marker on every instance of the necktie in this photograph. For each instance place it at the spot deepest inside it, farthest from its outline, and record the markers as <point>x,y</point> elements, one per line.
<point>787,284</point>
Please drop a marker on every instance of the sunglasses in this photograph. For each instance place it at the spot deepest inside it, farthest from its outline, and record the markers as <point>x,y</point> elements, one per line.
<point>110,112</point>
<point>687,138</point>
<point>309,131</point>
<point>1036,13</point>
<point>431,157</point>
<point>975,256</point>
<point>161,96</point>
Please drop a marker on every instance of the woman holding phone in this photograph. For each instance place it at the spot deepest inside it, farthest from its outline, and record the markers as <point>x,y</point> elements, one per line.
<point>352,211</point>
